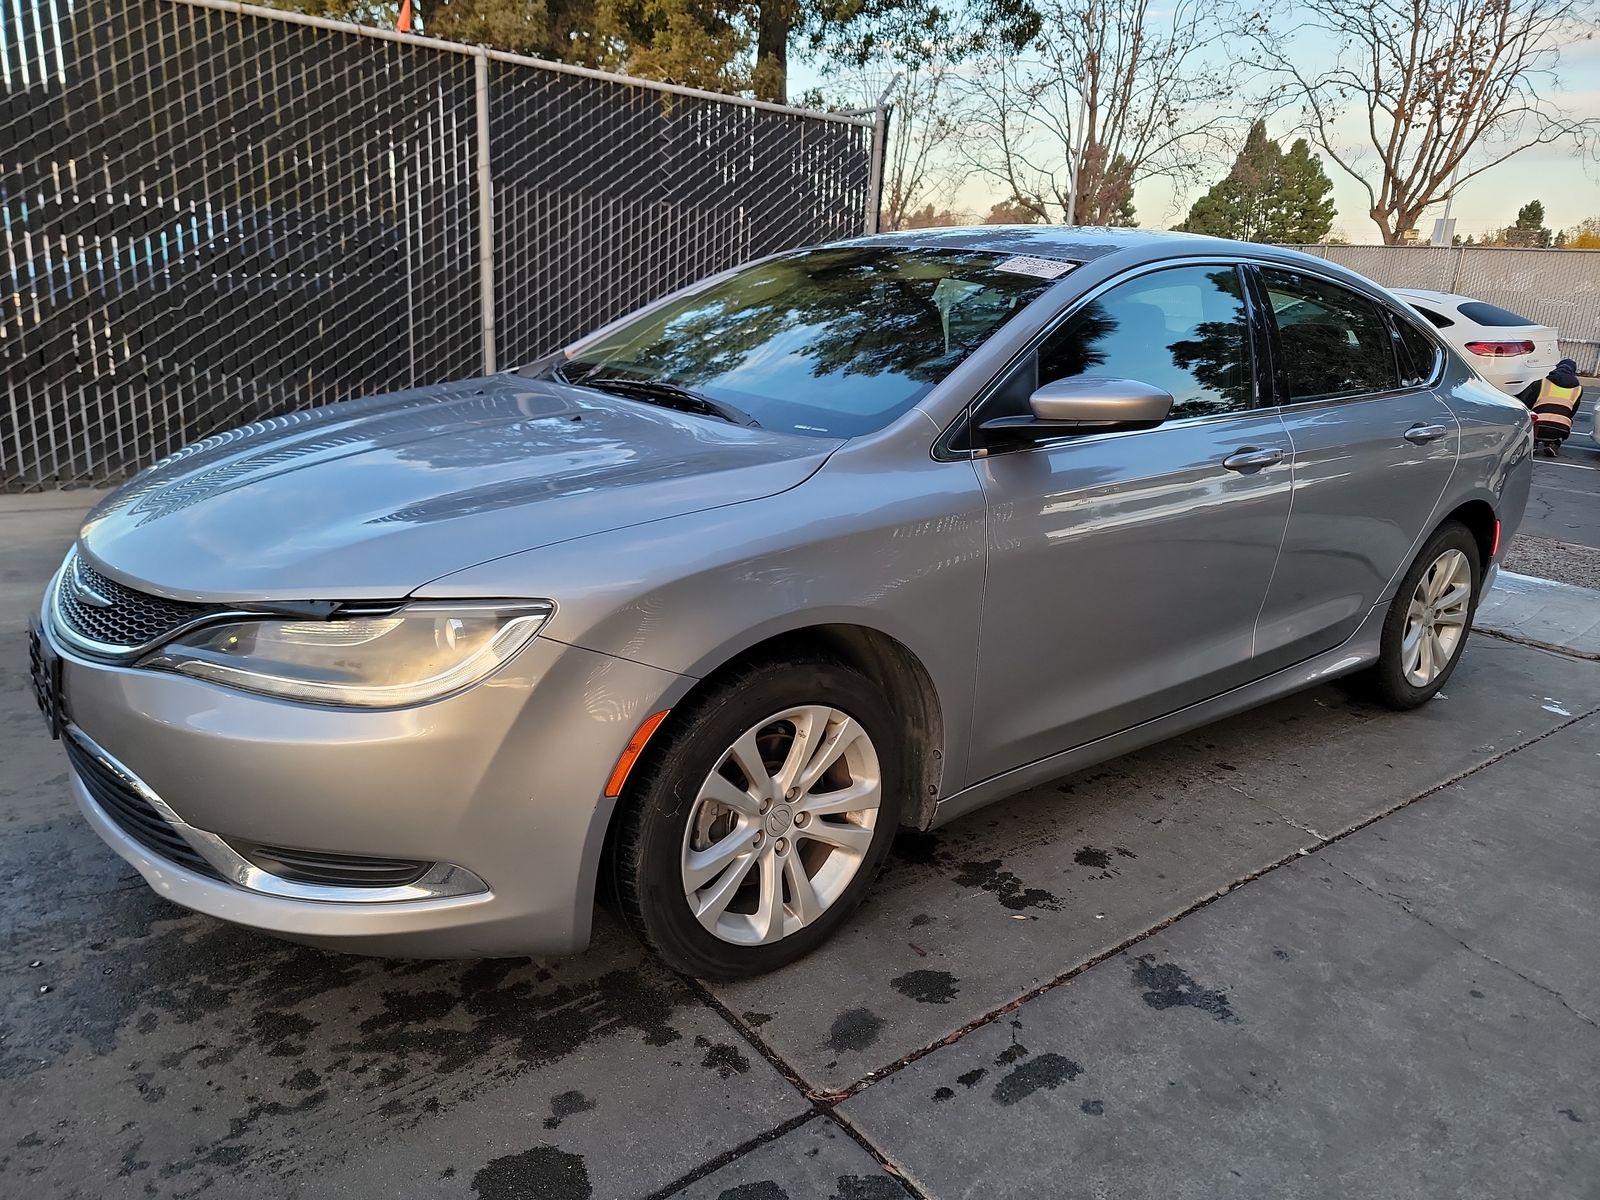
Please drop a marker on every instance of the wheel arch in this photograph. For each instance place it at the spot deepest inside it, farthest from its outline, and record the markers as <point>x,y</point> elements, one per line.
<point>1480,518</point>
<point>882,658</point>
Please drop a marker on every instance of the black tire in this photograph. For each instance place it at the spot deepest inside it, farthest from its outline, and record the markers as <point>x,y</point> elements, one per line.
<point>660,797</point>
<point>1386,681</point>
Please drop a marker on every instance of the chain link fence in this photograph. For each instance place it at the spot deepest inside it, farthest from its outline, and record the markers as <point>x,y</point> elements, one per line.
<point>1559,288</point>
<point>211,213</point>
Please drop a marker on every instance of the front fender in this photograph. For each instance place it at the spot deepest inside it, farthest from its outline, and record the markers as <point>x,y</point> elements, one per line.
<point>871,540</point>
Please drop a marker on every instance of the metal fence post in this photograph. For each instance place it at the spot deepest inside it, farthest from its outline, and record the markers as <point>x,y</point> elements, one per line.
<point>880,142</point>
<point>485,215</point>
<point>1455,279</point>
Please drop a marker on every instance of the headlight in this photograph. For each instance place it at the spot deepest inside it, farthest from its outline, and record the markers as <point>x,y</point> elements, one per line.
<point>417,653</point>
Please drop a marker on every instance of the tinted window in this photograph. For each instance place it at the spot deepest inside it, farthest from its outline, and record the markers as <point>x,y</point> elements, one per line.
<point>1419,357</point>
<point>1437,319</point>
<point>1489,314</point>
<point>837,341</point>
<point>1182,329</point>
<point>1334,342</point>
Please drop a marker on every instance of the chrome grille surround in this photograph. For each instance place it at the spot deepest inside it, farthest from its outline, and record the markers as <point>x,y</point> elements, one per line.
<point>101,618</point>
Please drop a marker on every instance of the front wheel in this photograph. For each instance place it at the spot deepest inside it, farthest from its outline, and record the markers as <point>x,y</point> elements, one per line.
<point>758,826</point>
<point>1428,622</point>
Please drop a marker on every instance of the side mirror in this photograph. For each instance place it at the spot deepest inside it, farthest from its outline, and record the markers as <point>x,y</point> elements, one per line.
<point>1084,404</point>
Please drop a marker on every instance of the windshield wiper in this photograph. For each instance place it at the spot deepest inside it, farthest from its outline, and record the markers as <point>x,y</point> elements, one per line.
<point>659,391</point>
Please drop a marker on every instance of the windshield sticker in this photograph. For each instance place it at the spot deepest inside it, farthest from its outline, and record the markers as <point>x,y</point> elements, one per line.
<point>1042,268</point>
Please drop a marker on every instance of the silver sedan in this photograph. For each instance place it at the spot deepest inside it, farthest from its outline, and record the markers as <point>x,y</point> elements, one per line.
<point>694,614</point>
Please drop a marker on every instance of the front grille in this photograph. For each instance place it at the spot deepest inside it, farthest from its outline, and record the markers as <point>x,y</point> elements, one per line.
<point>130,619</point>
<point>132,813</point>
<point>333,870</point>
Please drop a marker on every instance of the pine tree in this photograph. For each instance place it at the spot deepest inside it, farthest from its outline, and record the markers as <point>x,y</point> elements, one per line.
<point>1267,196</point>
<point>1530,228</point>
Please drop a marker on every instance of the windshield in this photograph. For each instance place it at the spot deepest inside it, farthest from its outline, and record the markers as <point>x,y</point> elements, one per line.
<point>834,342</point>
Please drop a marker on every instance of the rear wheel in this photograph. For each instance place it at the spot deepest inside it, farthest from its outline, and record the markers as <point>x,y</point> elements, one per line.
<point>1428,622</point>
<point>757,827</point>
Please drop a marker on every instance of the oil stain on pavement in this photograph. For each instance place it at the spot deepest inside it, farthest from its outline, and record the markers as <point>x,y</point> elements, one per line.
<point>1167,985</point>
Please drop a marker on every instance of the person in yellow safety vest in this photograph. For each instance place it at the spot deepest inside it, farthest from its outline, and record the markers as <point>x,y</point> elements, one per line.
<point>1554,401</point>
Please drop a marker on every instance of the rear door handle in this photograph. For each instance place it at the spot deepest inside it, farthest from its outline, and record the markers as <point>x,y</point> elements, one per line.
<point>1250,459</point>
<point>1421,435</point>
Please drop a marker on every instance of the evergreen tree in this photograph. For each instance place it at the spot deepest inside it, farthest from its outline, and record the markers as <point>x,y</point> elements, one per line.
<point>1267,196</point>
<point>1530,228</point>
<point>1012,212</point>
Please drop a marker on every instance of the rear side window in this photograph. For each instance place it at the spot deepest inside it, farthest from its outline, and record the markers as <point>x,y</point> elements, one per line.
<point>1437,319</point>
<point>1419,357</point>
<point>1334,342</point>
<point>1489,314</point>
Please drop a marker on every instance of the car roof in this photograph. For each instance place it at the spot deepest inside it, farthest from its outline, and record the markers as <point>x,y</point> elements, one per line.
<point>1080,243</point>
<point>1115,249</point>
<point>1089,243</point>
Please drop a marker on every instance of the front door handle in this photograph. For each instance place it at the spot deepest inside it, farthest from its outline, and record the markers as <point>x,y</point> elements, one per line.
<point>1421,435</point>
<point>1250,459</point>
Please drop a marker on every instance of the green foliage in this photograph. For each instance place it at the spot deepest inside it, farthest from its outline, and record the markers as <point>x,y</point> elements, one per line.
<point>722,45</point>
<point>1530,228</point>
<point>1013,212</point>
<point>1268,195</point>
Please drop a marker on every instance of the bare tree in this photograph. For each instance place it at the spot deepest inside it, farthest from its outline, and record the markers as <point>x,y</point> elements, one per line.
<point>1110,94</point>
<point>918,167</point>
<point>1426,85</point>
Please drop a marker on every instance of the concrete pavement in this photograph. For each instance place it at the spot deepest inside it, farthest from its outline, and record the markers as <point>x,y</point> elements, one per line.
<point>1392,995</point>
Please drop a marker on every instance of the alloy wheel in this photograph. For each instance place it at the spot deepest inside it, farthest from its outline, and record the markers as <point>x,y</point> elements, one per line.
<point>781,825</point>
<point>1436,618</point>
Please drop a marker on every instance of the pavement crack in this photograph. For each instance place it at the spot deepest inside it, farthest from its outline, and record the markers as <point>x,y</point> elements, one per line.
<point>1322,838</point>
<point>822,1104</point>
<point>1406,908</point>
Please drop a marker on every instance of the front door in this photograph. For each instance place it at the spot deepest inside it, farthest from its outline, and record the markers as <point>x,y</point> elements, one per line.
<point>1126,570</point>
<point>1374,449</point>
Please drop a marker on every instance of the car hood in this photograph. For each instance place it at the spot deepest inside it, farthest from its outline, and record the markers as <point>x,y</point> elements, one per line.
<point>370,499</point>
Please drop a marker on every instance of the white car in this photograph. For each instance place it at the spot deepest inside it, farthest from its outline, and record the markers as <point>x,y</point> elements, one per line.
<point>1508,350</point>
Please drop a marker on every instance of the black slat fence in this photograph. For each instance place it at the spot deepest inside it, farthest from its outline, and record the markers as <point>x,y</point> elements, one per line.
<point>212,214</point>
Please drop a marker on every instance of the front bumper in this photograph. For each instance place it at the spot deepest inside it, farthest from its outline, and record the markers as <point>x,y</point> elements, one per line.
<point>502,781</point>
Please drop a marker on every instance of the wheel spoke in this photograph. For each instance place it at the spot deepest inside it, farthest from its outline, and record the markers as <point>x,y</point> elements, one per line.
<point>860,796</point>
<point>852,838</point>
<point>810,729</point>
<point>714,903</point>
<point>1455,596</point>
<point>1411,648</point>
<point>702,866</point>
<point>1441,656</point>
<point>803,900</point>
<point>769,909</point>
<point>717,787</point>
<point>747,755</point>
<point>1425,656</point>
<point>844,734</point>
<point>1438,577</point>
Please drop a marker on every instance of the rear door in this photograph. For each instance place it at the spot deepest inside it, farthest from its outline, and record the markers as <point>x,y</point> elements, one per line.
<point>1374,448</point>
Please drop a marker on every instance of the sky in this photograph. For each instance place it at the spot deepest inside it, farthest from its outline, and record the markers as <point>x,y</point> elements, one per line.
<point>1568,186</point>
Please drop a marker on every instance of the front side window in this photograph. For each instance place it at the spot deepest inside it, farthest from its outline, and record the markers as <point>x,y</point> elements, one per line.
<point>1183,329</point>
<point>831,342</point>
<point>1333,341</point>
